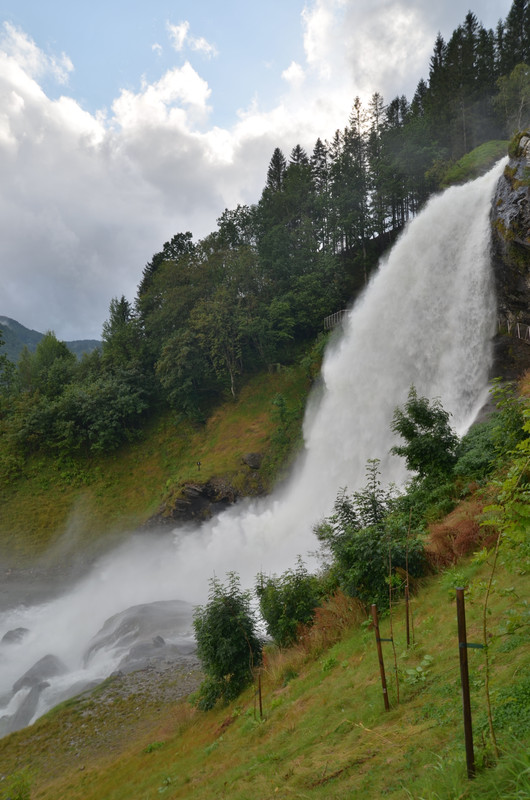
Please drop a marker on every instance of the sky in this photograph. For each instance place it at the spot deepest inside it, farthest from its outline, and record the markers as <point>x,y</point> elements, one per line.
<point>124,122</point>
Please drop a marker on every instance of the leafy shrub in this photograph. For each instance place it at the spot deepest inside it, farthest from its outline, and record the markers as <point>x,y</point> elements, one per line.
<point>476,451</point>
<point>365,531</point>
<point>486,444</point>
<point>288,601</point>
<point>18,787</point>
<point>427,500</point>
<point>227,642</point>
<point>430,442</point>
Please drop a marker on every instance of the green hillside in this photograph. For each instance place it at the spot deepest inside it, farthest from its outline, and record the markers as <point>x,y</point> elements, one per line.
<point>89,501</point>
<point>324,732</point>
<point>17,336</point>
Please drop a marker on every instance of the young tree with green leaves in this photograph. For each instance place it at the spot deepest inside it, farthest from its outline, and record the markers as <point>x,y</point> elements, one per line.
<point>363,531</point>
<point>288,602</point>
<point>228,645</point>
<point>430,442</point>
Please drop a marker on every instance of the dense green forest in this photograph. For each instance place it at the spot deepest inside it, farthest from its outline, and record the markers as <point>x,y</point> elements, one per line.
<point>254,292</point>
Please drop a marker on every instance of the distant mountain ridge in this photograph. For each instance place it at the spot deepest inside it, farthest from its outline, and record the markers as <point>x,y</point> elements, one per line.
<point>16,337</point>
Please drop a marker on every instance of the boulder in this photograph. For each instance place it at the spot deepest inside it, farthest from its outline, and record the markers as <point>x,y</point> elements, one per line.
<point>143,629</point>
<point>252,460</point>
<point>26,709</point>
<point>15,636</point>
<point>47,667</point>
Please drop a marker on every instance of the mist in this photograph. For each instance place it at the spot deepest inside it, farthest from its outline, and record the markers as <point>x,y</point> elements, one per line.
<point>427,318</point>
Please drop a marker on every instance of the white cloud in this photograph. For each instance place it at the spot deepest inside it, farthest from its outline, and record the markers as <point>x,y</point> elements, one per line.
<point>178,34</point>
<point>321,28</point>
<point>85,200</point>
<point>202,46</point>
<point>30,58</point>
<point>388,58</point>
<point>294,74</point>
<point>180,37</point>
<point>162,102</point>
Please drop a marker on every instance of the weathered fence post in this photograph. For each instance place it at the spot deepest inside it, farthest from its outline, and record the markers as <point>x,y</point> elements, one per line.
<point>407,611</point>
<point>464,677</point>
<point>407,599</point>
<point>380,656</point>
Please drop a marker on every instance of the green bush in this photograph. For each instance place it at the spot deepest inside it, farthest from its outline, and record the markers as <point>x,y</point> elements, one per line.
<point>365,531</point>
<point>476,451</point>
<point>227,643</point>
<point>488,443</point>
<point>430,442</point>
<point>287,602</point>
<point>18,787</point>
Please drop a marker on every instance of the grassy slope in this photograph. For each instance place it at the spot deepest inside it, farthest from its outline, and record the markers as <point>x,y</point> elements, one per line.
<point>324,733</point>
<point>475,163</point>
<point>80,501</point>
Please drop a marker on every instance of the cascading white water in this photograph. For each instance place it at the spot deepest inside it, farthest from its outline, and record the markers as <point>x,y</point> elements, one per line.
<point>426,319</point>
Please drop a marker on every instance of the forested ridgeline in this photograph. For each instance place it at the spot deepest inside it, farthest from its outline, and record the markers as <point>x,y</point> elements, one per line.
<point>253,293</point>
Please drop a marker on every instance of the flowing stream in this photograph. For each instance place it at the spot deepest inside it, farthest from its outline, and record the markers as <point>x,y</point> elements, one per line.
<point>427,318</point>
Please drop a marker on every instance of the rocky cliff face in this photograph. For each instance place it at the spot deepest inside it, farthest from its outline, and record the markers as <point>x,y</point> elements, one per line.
<point>511,235</point>
<point>511,258</point>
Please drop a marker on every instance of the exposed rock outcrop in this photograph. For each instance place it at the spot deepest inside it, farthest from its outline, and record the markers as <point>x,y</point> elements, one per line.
<point>47,667</point>
<point>197,502</point>
<point>511,236</point>
<point>252,460</point>
<point>511,259</point>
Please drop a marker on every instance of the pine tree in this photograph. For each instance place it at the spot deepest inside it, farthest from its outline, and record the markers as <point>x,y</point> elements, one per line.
<point>276,171</point>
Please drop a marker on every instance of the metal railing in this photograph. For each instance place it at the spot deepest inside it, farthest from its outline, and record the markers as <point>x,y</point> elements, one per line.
<point>518,329</point>
<point>333,319</point>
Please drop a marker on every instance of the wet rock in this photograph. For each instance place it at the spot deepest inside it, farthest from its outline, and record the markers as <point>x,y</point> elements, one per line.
<point>149,625</point>
<point>196,502</point>
<point>511,237</point>
<point>27,708</point>
<point>146,655</point>
<point>15,636</point>
<point>47,667</point>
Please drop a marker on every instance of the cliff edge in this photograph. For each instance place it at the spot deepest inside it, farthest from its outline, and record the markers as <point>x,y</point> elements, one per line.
<point>510,219</point>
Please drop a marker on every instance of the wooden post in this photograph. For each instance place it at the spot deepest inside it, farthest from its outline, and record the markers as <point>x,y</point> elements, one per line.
<point>380,656</point>
<point>407,612</point>
<point>407,609</point>
<point>259,692</point>
<point>464,677</point>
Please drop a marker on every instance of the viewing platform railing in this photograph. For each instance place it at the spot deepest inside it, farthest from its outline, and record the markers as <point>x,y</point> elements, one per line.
<point>518,329</point>
<point>333,319</point>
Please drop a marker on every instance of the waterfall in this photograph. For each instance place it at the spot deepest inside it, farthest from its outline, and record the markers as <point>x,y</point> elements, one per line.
<point>426,318</point>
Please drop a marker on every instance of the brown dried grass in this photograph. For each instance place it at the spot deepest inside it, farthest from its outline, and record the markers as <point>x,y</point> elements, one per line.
<point>332,620</point>
<point>458,535</point>
<point>524,384</point>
